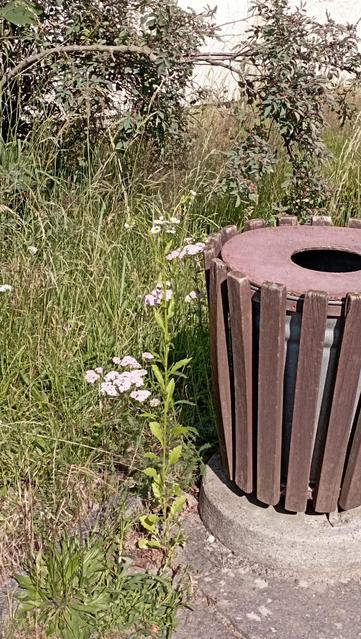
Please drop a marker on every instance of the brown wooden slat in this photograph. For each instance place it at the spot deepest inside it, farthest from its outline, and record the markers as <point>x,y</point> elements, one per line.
<point>347,377</point>
<point>321,220</point>
<point>351,488</point>
<point>240,306</point>
<point>218,312</point>
<point>214,247</point>
<point>227,233</point>
<point>252,225</point>
<point>354,223</point>
<point>309,366</point>
<point>270,391</point>
<point>212,250</point>
<point>287,220</point>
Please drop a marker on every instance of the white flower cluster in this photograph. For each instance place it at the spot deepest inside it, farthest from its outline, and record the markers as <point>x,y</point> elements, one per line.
<point>188,250</point>
<point>194,295</point>
<point>162,224</point>
<point>115,383</point>
<point>5,288</point>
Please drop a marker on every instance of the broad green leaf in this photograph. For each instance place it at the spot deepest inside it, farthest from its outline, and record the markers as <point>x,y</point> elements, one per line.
<point>143,544</point>
<point>149,522</point>
<point>178,505</point>
<point>175,454</point>
<point>20,13</point>
<point>153,543</point>
<point>157,432</point>
<point>181,364</point>
<point>158,375</point>
<point>181,430</point>
<point>156,490</point>
<point>150,456</point>
<point>151,472</point>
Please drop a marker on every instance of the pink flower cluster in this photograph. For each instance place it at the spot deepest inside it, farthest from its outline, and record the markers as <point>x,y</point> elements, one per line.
<point>115,383</point>
<point>155,297</point>
<point>188,250</point>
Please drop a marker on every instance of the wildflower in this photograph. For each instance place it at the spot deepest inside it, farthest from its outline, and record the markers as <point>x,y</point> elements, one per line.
<point>136,377</point>
<point>91,377</point>
<point>174,220</point>
<point>116,361</point>
<point>126,226</point>
<point>154,402</point>
<point>130,362</point>
<point>123,383</point>
<point>32,250</point>
<point>107,388</point>
<point>188,240</point>
<point>148,356</point>
<point>6,288</point>
<point>151,300</point>
<point>156,296</point>
<point>173,255</point>
<point>160,221</point>
<point>111,376</point>
<point>155,229</point>
<point>140,396</point>
<point>99,370</point>
<point>194,295</point>
<point>171,230</point>
<point>192,249</point>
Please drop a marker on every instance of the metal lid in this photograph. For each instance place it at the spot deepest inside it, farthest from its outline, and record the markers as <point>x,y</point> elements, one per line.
<point>271,255</point>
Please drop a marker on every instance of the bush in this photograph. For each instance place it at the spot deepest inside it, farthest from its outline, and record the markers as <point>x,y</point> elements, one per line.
<point>87,87</point>
<point>298,69</point>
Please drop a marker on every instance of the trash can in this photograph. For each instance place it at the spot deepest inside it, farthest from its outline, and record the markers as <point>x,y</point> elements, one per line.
<point>285,339</point>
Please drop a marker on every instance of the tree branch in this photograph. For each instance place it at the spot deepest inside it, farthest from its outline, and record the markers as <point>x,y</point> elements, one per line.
<point>73,48</point>
<point>212,58</point>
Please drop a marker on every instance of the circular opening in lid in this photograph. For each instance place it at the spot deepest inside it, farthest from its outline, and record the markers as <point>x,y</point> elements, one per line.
<point>328,260</point>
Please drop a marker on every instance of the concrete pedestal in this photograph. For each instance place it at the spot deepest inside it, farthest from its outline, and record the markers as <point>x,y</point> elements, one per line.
<point>309,544</point>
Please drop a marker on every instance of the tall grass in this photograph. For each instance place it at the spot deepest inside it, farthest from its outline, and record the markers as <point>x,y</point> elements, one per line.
<point>78,301</point>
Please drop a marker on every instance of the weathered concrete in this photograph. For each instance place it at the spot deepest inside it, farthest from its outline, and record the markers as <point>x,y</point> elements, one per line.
<point>237,599</point>
<point>307,544</point>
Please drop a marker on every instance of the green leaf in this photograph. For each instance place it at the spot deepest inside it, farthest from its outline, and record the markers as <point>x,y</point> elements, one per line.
<point>151,472</point>
<point>170,389</point>
<point>143,544</point>
<point>20,13</point>
<point>158,375</point>
<point>157,432</point>
<point>175,454</point>
<point>159,320</point>
<point>178,505</point>
<point>150,456</point>
<point>156,490</point>
<point>149,522</point>
<point>181,364</point>
<point>171,308</point>
<point>181,430</point>
<point>153,543</point>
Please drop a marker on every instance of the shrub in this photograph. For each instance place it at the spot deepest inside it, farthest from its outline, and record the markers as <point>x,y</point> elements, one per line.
<point>88,87</point>
<point>297,70</point>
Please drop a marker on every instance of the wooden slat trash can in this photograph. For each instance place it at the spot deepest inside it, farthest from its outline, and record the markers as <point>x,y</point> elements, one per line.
<point>285,331</point>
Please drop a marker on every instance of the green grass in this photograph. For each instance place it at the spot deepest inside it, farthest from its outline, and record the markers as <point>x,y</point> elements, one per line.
<point>78,302</point>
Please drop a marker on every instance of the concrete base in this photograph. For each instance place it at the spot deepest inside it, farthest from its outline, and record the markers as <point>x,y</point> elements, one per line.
<point>315,545</point>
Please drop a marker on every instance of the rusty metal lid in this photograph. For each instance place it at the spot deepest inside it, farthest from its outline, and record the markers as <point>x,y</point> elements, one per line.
<point>303,258</point>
